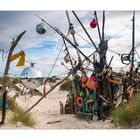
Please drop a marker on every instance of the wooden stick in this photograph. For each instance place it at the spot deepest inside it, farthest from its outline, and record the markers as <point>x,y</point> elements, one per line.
<point>103,26</point>
<point>103,98</point>
<point>4,93</point>
<point>85,30</point>
<point>47,93</point>
<point>53,122</point>
<point>114,82</point>
<point>90,101</point>
<point>98,27</point>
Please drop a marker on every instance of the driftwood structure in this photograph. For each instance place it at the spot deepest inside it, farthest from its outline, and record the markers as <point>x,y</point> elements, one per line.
<point>94,95</point>
<point>109,92</point>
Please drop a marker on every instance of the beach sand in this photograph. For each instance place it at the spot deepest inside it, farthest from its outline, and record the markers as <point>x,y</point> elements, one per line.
<point>48,110</point>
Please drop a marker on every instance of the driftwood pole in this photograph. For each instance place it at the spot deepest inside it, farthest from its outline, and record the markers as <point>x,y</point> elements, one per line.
<point>4,93</point>
<point>45,94</point>
<point>85,31</point>
<point>133,49</point>
<point>98,25</point>
<point>103,44</point>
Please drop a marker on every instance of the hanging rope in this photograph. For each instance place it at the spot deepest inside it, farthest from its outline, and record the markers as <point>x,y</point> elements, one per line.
<point>84,38</point>
<point>55,61</point>
<point>137,54</point>
<point>44,90</point>
<point>115,52</point>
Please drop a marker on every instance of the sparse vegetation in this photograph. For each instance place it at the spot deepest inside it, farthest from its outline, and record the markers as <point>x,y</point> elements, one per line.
<point>52,79</point>
<point>16,80</point>
<point>18,114</point>
<point>10,82</point>
<point>127,115</point>
<point>66,85</point>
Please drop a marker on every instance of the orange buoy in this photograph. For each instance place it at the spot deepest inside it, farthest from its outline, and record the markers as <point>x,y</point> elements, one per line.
<point>84,81</point>
<point>79,101</point>
<point>84,85</point>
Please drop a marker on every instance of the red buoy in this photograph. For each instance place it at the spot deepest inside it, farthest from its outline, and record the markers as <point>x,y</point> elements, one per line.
<point>93,23</point>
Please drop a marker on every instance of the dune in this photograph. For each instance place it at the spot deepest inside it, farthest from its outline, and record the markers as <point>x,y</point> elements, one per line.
<point>47,113</point>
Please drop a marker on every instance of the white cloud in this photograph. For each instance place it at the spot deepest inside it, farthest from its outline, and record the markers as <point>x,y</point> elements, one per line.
<point>118,25</point>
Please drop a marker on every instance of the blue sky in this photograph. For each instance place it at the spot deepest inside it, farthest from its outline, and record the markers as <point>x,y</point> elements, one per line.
<point>43,49</point>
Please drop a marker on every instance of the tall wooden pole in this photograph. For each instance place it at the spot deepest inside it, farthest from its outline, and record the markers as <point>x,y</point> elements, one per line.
<point>98,25</point>
<point>103,26</point>
<point>85,31</point>
<point>4,93</point>
<point>103,45</point>
<point>133,48</point>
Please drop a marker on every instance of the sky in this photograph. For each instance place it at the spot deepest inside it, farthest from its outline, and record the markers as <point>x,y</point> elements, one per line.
<point>43,49</point>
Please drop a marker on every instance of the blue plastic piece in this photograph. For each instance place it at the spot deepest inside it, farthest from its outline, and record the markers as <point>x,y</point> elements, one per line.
<point>6,105</point>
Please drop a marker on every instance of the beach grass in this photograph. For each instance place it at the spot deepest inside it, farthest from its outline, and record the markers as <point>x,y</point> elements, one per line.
<point>66,85</point>
<point>127,115</point>
<point>19,115</point>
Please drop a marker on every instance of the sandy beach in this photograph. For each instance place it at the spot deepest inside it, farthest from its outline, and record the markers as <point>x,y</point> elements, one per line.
<point>48,110</point>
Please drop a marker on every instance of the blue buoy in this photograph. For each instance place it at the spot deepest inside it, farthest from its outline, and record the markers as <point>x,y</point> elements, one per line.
<point>6,105</point>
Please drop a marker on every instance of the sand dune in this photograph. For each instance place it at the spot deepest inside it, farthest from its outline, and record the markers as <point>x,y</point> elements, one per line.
<point>48,110</point>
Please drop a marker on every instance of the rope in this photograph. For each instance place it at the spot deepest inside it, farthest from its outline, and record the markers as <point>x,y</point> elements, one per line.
<point>55,61</point>
<point>137,54</point>
<point>137,45</point>
<point>114,52</point>
<point>93,45</point>
<point>83,38</point>
<point>44,90</point>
